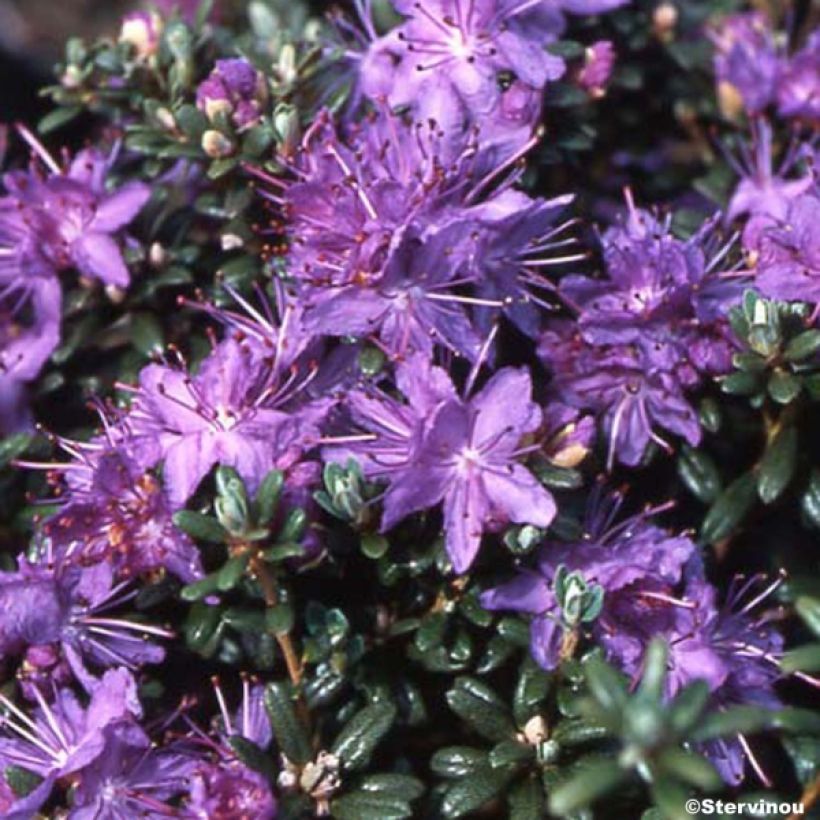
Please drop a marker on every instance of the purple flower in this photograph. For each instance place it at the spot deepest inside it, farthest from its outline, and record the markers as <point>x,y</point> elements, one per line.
<point>645,335</point>
<point>468,459</point>
<point>736,652</point>
<point>224,786</point>
<point>654,282</point>
<point>69,215</point>
<point>414,306</point>
<point>229,413</point>
<point>788,260</point>
<point>61,737</point>
<point>113,511</point>
<point>404,239</point>
<point>395,429</point>
<point>131,779</point>
<point>632,390</point>
<point>448,61</point>
<point>29,334</point>
<point>798,88</point>
<point>747,61</point>
<point>44,608</point>
<point>599,60</point>
<point>234,88</point>
<point>636,564</point>
<point>764,191</point>
<point>229,789</point>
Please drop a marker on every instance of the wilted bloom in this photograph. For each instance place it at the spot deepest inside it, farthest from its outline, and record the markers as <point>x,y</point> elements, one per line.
<point>599,60</point>
<point>469,460</point>
<point>747,61</point>
<point>635,563</point>
<point>232,412</point>
<point>142,30</point>
<point>69,215</point>
<point>236,89</point>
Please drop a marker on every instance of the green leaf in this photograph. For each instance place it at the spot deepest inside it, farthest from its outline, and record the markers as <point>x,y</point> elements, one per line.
<point>606,685</point>
<point>232,572</point>
<point>689,705</point>
<point>810,501</point>
<point>510,753</point>
<point>670,797</point>
<point>654,671</point>
<point>21,781</point>
<point>363,732</point>
<point>750,719</point>
<point>802,659</point>
<point>784,387</point>
<point>699,473</point>
<point>146,334</point>
<point>459,761</point>
<point>803,346</point>
<point>279,619</point>
<point>287,729</point>
<point>267,497</point>
<point>401,786</point>
<point>592,779</point>
<point>253,757</point>
<point>742,383</point>
<point>374,546</point>
<point>58,118</point>
<point>731,507</point>
<point>578,732</point>
<point>777,465</point>
<point>200,589</point>
<point>201,625</point>
<point>201,527</point>
<point>13,446</point>
<point>805,755</point>
<point>470,793</point>
<point>691,768</point>
<point>364,805</point>
<point>808,608</point>
<point>430,633</point>
<point>477,704</point>
<point>526,800</point>
<point>192,122</point>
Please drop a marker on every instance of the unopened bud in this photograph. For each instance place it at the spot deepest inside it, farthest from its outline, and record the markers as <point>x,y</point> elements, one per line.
<point>216,145</point>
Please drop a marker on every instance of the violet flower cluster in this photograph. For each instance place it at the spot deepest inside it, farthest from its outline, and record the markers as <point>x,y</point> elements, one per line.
<point>52,219</point>
<point>401,230</point>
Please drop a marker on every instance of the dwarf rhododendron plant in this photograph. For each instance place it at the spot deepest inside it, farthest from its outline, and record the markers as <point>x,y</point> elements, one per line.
<point>407,409</point>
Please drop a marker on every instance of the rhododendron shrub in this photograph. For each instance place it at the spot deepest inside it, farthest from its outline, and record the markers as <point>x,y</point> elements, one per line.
<point>407,410</point>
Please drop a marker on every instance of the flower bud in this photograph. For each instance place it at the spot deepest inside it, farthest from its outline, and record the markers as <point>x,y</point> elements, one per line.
<point>142,31</point>
<point>216,145</point>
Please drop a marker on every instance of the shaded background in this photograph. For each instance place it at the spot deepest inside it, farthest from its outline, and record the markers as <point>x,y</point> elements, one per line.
<point>32,40</point>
